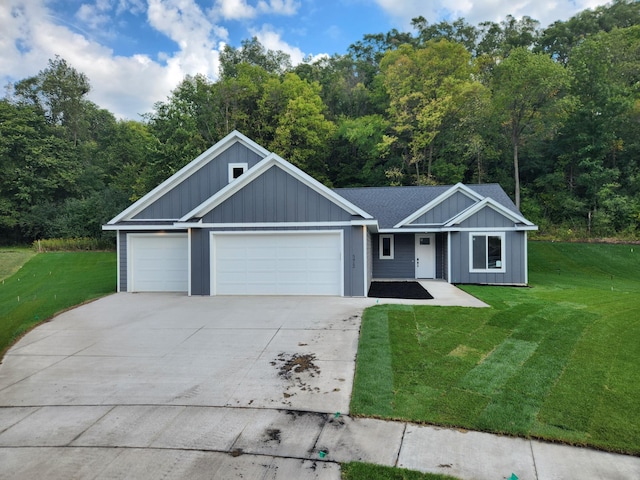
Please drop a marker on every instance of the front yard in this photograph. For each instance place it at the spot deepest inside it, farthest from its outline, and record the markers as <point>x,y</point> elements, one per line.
<point>47,284</point>
<point>557,361</point>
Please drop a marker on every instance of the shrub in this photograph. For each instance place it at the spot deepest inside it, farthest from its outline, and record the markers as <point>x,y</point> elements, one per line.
<point>72,244</point>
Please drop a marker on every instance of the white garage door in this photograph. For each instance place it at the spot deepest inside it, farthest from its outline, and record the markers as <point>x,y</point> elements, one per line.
<point>277,264</point>
<point>158,263</point>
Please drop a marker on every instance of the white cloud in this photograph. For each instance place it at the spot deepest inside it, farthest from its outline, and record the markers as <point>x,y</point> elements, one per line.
<point>279,7</point>
<point>126,86</point>
<point>94,16</point>
<point>234,9</point>
<point>476,11</point>
<point>272,40</point>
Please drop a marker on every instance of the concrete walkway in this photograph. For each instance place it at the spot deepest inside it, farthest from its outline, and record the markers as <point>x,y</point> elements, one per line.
<point>151,441</point>
<point>166,386</point>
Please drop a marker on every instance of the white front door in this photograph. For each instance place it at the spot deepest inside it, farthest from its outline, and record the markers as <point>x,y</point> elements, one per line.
<point>425,255</point>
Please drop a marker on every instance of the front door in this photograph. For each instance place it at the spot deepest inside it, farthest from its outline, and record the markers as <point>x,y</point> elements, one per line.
<point>425,255</point>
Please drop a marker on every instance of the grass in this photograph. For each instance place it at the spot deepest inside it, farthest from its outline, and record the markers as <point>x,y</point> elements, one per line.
<point>366,471</point>
<point>558,361</point>
<point>50,283</point>
<point>11,259</point>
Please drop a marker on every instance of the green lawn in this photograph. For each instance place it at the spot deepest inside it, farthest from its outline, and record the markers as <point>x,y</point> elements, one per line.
<point>50,283</point>
<point>366,471</point>
<point>11,259</point>
<point>558,361</point>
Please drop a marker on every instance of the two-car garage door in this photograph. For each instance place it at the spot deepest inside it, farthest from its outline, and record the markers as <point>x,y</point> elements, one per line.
<point>276,263</point>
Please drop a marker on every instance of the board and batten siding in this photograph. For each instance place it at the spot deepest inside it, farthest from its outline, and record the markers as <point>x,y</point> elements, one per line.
<point>200,185</point>
<point>515,252</point>
<point>441,255</point>
<point>403,264</point>
<point>486,217</point>
<point>122,261</point>
<point>445,210</point>
<point>200,261</point>
<point>276,196</point>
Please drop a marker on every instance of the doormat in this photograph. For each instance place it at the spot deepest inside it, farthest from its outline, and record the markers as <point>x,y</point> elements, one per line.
<point>406,290</point>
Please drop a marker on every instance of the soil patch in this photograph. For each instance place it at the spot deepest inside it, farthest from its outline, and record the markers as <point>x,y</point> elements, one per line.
<point>296,364</point>
<point>406,290</point>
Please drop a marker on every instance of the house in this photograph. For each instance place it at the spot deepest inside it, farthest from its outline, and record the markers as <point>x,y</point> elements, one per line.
<point>240,220</point>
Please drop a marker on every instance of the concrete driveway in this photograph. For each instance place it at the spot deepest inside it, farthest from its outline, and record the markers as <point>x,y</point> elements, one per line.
<point>163,349</point>
<point>162,385</point>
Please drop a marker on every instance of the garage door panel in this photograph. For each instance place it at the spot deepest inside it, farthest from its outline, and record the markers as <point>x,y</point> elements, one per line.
<point>159,263</point>
<point>278,264</point>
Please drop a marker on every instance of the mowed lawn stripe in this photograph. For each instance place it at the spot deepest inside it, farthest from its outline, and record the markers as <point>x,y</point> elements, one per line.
<point>557,361</point>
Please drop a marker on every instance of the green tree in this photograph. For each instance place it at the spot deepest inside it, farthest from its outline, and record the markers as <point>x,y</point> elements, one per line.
<point>527,91</point>
<point>59,92</point>
<point>424,86</point>
<point>293,114</point>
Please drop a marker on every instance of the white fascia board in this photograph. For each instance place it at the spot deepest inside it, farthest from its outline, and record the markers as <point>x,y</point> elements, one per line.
<point>280,225</point>
<point>187,171</point>
<point>410,230</point>
<point>257,170</point>
<point>458,187</point>
<point>124,226</point>
<point>491,203</point>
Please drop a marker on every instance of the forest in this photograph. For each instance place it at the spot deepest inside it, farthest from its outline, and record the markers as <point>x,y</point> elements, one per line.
<point>552,114</point>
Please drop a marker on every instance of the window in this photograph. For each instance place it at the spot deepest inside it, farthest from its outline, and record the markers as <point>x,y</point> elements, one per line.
<point>236,169</point>
<point>486,252</point>
<point>386,247</point>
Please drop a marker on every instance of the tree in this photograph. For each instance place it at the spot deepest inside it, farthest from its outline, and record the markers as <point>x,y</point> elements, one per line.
<point>424,85</point>
<point>252,52</point>
<point>59,93</point>
<point>293,115</point>
<point>527,89</point>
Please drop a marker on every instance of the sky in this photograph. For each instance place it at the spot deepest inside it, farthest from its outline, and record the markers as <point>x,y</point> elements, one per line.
<point>134,52</point>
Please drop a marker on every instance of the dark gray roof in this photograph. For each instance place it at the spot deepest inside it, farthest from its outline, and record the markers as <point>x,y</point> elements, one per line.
<point>389,205</point>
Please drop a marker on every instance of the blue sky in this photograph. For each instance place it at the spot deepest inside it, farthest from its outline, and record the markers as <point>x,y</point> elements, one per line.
<point>136,51</point>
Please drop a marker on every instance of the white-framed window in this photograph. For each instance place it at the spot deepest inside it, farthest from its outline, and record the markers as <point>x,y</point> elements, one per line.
<point>487,252</point>
<point>386,247</point>
<point>236,169</point>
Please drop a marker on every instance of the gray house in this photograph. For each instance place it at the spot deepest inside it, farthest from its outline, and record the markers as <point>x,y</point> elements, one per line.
<point>240,220</point>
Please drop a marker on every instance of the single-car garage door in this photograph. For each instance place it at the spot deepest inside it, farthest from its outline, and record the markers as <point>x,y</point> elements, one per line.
<point>278,263</point>
<point>158,262</point>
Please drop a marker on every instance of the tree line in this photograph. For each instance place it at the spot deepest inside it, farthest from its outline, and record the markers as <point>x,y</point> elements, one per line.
<point>551,114</point>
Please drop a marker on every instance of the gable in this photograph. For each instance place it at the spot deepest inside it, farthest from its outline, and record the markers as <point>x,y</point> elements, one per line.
<point>199,186</point>
<point>276,196</point>
<point>486,217</point>
<point>445,210</point>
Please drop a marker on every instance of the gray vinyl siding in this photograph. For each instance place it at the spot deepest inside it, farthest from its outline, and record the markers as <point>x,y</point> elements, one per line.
<point>123,260</point>
<point>441,255</point>
<point>402,265</point>
<point>276,196</point>
<point>514,261</point>
<point>200,261</point>
<point>353,257</point>
<point>445,210</point>
<point>369,254</point>
<point>486,218</point>
<point>200,185</point>
<point>354,264</point>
